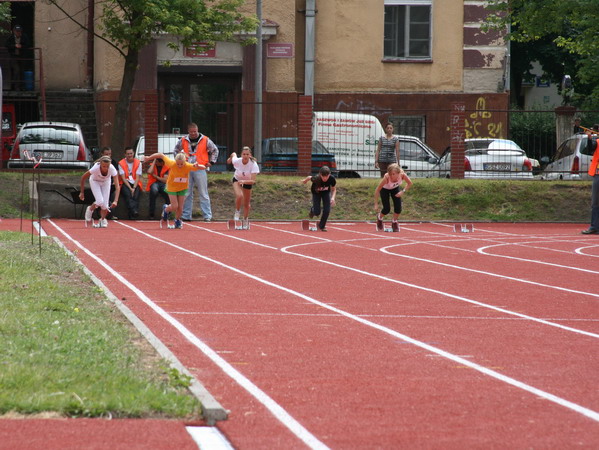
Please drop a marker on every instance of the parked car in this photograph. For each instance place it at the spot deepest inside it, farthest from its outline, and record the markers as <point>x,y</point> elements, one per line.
<point>490,159</point>
<point>572,158</point>
<point>280,155</point>
<point>55,145</point>
<point>418,160</point>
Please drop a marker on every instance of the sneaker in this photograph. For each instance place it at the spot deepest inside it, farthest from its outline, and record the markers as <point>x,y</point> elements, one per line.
<point>104,223</point>
<point>395,227</point>
<point>164,213</point>
<point>245,225</point>
<point>208,220</point>
<point>590,231</point>
<point>323,228</point>
<point>178,224</point>
<point>379,222</point>
<point>236,215</point>
<point>89,213</point>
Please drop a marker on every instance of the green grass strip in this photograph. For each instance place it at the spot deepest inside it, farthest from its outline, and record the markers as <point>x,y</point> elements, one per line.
<point>67,349</point>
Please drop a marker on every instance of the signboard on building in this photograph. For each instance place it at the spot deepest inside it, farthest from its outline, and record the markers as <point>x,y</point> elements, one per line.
<point>277,50</point>
<point>200,50</point>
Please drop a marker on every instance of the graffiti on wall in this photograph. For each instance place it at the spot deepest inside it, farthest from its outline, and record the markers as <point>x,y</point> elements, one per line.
<point>483,123</point>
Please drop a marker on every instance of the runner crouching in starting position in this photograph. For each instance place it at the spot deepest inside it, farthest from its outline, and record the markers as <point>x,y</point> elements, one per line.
<point>390,187</point>
<point>99,182</point>
<point>323,189</point>
<point>176,183</point>
<point>246,170</point>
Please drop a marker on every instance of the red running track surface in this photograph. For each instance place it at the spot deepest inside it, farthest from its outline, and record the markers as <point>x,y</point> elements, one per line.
<point>361,339</point>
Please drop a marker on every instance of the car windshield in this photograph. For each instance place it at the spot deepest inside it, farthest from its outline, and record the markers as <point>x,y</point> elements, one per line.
<point>290,147</point>
<point>589,147</point>
<point>50,135</point>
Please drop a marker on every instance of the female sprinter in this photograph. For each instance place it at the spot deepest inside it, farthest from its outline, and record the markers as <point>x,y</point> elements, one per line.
<point>390,187</point>
<point>99,181</point>
<point>246,169</point>
<point>177,183</point>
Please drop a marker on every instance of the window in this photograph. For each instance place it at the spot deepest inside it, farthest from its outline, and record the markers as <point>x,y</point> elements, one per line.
<point>407,29</point>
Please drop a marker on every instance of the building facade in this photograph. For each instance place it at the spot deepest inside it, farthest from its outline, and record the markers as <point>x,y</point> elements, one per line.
<point>405,61</point>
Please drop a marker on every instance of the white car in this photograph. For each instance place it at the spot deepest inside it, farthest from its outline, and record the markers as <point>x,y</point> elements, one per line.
<point>572,158</point>
<point>491,159</point>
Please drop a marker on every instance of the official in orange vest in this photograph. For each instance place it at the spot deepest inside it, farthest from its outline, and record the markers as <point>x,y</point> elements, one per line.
<point>130,176</point>
<point>157,174</point>
<point>594,172</point>
<point>200,149</point>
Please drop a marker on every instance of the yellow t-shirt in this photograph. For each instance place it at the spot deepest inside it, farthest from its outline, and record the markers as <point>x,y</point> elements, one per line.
<point>178,177</point>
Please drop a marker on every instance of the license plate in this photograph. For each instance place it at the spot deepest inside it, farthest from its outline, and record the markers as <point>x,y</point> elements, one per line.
<point>499,167</point>
<point>48,155</point>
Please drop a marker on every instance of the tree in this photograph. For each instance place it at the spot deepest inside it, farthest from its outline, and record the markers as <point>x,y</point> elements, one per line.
<point>130,25</point>
<point>5,15</point>
<point>561,34</point>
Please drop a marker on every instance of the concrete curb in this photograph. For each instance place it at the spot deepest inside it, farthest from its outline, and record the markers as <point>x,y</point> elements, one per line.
<point>212,411</point>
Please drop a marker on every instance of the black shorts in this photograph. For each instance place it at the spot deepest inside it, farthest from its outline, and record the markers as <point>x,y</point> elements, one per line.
<point>245,186</point>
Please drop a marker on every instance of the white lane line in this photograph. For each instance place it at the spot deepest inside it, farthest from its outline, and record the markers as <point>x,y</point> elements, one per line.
<point>209,438</point>
<point>489,372</point>
<point>580,251</point>
<point>490,274</point>
<point>483,251</point>
<point>275,409</point>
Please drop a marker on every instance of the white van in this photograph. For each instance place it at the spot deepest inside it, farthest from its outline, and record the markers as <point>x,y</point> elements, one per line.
<point>353,139</point>
<point>166,145</point>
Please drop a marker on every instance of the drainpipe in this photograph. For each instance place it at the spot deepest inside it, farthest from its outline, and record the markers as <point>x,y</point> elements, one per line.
<point>309,53</point>
<point>90,44</point>
<point>258,86</point>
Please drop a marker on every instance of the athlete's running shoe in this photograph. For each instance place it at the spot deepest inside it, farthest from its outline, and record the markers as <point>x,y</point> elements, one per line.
<point>178,224</point>
<point>236,215</point>
<point>104,223</point>
<point>89,213</point>
<point>379,223</point>
<point>395,227</point>
<point>164,213</point>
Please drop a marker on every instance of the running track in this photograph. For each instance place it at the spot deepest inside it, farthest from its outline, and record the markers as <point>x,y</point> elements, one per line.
<point>358,339</point>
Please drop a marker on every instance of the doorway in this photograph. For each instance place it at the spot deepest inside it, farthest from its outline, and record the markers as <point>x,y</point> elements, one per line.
<point>209,100</point>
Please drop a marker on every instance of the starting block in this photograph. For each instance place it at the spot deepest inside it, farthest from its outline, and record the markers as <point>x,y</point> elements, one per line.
<point>387,229</point>
<point>237,225</point>
<point>307,226</point>
<point>168,224</point>
<point>463,228</point>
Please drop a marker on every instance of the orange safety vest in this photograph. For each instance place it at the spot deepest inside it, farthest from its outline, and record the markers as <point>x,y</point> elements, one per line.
<point>125,167</point>
<point>201,152</point>
<point>151,176</point>
<point>594,166</point>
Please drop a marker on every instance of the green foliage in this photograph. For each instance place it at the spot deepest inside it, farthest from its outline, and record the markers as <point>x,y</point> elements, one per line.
<point>571,26</point>
<point>534,131</point>
<point>133,24</point>
<point>5,15</point>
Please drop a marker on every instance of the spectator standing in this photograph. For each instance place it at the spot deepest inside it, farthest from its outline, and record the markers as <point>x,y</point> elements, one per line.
<point>157,174</point>
<point>594,172</point>
<point>18,46</point>
<point>200,149</point>
<point>387,151</point>
<point>130,173</point>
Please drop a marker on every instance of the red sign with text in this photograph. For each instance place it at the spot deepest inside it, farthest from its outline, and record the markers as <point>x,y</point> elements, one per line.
<point>200,50</point>
<point>279,50</point>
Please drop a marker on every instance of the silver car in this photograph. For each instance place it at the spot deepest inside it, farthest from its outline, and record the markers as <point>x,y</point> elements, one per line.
<point>491,159</point>
<point>50,145</point>
<point>572,158</point>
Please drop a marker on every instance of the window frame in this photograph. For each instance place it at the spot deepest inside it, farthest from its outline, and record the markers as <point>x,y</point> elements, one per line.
<point>406,31</point>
